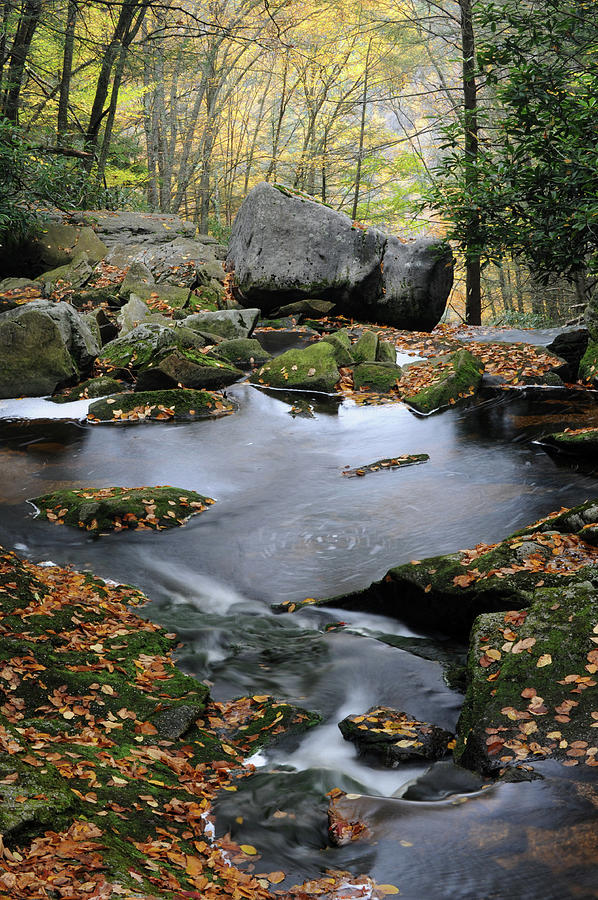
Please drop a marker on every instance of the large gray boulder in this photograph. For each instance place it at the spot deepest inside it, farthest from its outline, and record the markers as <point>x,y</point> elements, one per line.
<point>286,247</point>
<point>43,345</point>
<point>57,245</point>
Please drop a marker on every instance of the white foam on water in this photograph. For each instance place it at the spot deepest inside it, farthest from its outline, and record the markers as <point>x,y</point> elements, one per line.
<point>42,408</point>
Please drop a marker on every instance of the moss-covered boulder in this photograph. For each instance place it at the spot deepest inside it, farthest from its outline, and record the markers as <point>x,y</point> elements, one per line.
<point>144,344</point>
<point>532,683</point>
<point>189,369</point>
<point>432,386</point>
<point>386,352</point>
<point>588,367</point>
<point>228,323</point>
<point>100,510</point>
<point>447,593</point>
<point>87,390</point>
<point>94,297</point>
<point>34,358</point>
<point>366,348</point>
<point>377,377</point>
<point>390,737</point>
<point>341,343</point>
<point>242,352</point>
<point>577,442</point>
<point>159,297</point>
<point>73,275</point>
<point>58,245</point>
<point>176,405</point>
<point>313,369</point>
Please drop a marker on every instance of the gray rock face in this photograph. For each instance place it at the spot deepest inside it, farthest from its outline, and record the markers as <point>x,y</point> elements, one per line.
<point>34,358</point>
<point>285,248</point>
<point>229,323</point>
<point>77,337</point>
<point>58,245</point>
<point>167,245</point>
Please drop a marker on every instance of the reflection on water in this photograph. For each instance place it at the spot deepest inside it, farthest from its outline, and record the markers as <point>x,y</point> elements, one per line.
<point>287,525</point>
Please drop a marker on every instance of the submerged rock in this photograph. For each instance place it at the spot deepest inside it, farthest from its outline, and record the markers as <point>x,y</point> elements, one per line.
<point>392,737</point>
<point>100,510</point>
<point>395,462</point>
<point>313,369</point>
<point>175,405</point>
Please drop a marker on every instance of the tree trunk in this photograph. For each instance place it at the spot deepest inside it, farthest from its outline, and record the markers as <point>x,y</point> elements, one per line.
<point>473,304</point>
<point>28,22</point>
<point>364,105</point>
<point>67,67</point>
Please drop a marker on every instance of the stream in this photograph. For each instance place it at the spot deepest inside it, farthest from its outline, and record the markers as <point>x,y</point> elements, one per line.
<point>287,526</point>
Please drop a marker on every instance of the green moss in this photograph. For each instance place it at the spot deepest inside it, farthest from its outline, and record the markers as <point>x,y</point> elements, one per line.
<point>312,369</point>
<point>378,377</point>
<point>185,405</point>
<point>93,387</point>
<point>341,344</point>
<point>386,352</point>
<point>188,368</point>
<point>460,383</point>
<point>243,352</point>
<point>366,348</point>
<point>579,444</point>
<point>115,508</point>
<point>588,367</point>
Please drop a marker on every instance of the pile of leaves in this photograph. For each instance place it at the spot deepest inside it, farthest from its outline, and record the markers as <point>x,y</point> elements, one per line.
<point>115,509</point>
<point>111,757</point>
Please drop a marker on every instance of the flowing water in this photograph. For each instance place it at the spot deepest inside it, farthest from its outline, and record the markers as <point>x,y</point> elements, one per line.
<point>288,525</point>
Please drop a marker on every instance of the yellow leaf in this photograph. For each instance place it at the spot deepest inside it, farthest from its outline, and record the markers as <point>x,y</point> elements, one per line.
<point>387,889</point>
<point>544,660</point>
<point>276,877</point>
<point>248,849</point>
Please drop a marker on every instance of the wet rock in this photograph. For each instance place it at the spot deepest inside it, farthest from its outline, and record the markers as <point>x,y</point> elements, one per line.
<point>377,376</point>
<point>386,352</point>
<point>286,247</point>
<point>100,510</point>
<point>391,737</point>
<point>308,307</point>
<point>313,369</point>
<point>173,722</point>
<point>59,245</point>
<point>187,368</point>
<point>242,352</point>
<point>395,462</point>
<point>228,323</point>
<point>578,442</point>
<point>456,376</point>
<point>169,405</point>
<point>570,346</point>
<point>531,683</point>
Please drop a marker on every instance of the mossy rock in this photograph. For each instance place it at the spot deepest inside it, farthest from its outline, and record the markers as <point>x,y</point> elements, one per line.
<point>175,405</point>
<point>73,275</point>
<point>31,801</point>
<point>378,377</point>
<point>91,298</point>
<point>366,348</point>
<point>93,387</point>
<point>342,348</point>
<point>582,442</point>
<point>34,359</point>
<point>189,369</point>
<point>447,593</point>
<point>386,352</point>
<point>242,352</point>
<point>145,343</point>
<point>588,367</point>
<point>159,297</point>
<point>59,244</point>
<point>532,683</point>
<point>100,510</point>
<point>390,737</point>
<point>459,382</point>
<point>313,369</point>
